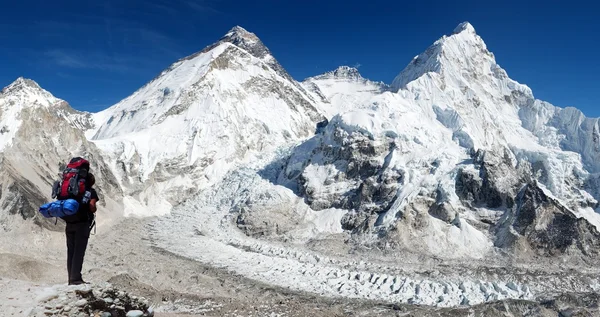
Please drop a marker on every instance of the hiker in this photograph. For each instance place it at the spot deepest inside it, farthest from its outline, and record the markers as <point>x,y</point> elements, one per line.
<point>78,231</point>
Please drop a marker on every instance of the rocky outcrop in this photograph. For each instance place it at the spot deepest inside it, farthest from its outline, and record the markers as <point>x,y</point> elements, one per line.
<point>493,182</point>
<point>91,300</point>
<point>542,224</point>
<point>347,171</point>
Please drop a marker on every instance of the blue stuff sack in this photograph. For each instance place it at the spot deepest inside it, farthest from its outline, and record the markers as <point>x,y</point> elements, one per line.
<point>59,208</point>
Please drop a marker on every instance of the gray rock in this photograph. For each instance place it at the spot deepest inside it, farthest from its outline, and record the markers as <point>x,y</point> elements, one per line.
<point>83,292</point>
<point>135,313</point>
<point>66,308</point>
<point>562,230</point>
<point>106,314</point>
<point>443,211</point>
<point>49,312</point>
<point>358,160</point>
<point>108,300</point>
<point>98,293</point>
<point>59,306</point>
<point>81,302</point>
<point>150,312</point>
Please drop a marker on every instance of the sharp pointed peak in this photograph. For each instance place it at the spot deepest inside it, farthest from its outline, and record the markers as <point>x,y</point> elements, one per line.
<point>460,50</point>
<point>241,37</point>
<point>464,27</point>
<point>237,30</point>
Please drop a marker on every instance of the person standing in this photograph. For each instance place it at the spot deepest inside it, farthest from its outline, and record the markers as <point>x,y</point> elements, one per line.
<point>78,231</point>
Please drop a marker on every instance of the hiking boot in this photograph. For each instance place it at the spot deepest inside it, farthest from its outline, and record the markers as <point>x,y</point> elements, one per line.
<point>78,282</point>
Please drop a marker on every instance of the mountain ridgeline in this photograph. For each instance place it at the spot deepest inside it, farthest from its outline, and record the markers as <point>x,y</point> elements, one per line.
<point>453,158</point>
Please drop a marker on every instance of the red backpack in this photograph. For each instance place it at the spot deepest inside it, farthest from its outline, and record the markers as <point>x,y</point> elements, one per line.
<point>72,184</point>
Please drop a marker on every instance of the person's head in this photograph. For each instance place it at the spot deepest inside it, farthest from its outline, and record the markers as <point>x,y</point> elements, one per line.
<point>90,180</point>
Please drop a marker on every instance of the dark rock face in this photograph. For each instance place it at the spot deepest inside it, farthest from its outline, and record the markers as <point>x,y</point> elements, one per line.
<point>370,184</point>
<point>354,221</point>
<point>361,163</point>
<point>321,126</point>
<point>487,186</point>
<point>443,210</point>
<point>548,227</point>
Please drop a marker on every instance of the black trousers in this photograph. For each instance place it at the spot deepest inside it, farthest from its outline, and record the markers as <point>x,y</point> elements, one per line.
<point>77,240</point>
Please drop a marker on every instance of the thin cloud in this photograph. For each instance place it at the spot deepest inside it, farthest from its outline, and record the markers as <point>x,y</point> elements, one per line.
<point>147,37</point>
<point>64,75</point>
<point>87,60</point>
<point>200,6</point>
<point>162,7</point>
<point>65,59</point>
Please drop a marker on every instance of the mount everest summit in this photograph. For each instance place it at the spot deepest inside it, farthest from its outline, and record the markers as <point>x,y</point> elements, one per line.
<point>452,160</point>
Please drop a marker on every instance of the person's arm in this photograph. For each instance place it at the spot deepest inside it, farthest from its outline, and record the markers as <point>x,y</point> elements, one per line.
<point>93,207</point>
<point>94,199</point>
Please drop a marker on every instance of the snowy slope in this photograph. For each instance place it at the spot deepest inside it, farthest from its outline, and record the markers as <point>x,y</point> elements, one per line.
<point>342,89</point>
<point>15,97</point>
<point>182,131</point>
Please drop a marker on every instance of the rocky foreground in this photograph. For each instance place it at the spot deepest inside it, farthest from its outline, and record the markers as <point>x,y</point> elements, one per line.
<point>90,300</point>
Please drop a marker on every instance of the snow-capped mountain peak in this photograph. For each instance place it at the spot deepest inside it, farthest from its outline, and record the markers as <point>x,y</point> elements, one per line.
<point>26,92</point>
<point>342,89</point>
<point>461,52</point>
<point>247,41</point>
<point>204,113</point>
<point>250,42</point>
<point>464,26</point>
<point>21,83</point>
<point>342,72</point>
<point>241,37</point>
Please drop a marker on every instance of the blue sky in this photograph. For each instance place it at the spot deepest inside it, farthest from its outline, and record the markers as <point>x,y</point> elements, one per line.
<point>94,53</point>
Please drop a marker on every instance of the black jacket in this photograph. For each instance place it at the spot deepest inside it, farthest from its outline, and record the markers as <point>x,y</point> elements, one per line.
<point>84,214</point>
